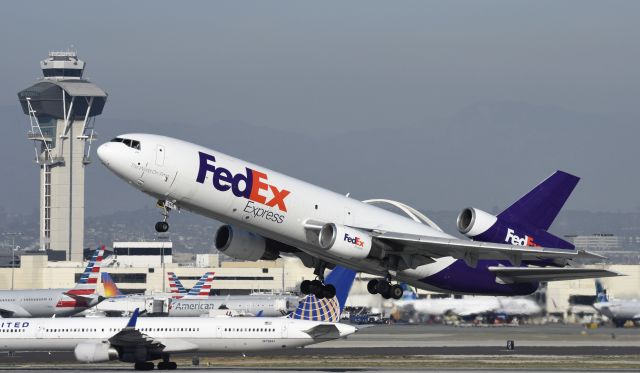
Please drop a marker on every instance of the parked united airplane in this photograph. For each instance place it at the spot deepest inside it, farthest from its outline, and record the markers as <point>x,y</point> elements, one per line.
<point>142,340</point>
<point>55,302</point>
<point>269,214</point>
<point>618,310</point>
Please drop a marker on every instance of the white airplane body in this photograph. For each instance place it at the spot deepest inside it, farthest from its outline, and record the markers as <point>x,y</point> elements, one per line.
<point>142,340</point>
<point>269,213</point>
<point>54,302</point>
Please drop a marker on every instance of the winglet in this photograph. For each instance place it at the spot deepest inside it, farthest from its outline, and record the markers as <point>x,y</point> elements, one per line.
<point>259,314</point>
<point>133,319</point>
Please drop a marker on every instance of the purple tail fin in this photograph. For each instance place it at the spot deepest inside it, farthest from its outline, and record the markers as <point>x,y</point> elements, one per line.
<point>541,205</point>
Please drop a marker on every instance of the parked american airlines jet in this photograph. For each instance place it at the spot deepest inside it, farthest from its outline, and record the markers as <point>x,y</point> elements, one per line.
<point>142,340</point>
<point>55,302</point>
<point>269,214</point>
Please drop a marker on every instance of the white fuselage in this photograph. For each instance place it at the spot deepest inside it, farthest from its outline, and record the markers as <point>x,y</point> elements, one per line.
<point>620,309</point>
<point>178,334</point>
<point>39,303</point>
<point>168,169</point>
<point>476,305</point>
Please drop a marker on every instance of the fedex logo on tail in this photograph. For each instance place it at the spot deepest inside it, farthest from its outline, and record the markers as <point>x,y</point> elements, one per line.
<point>354,240</point>
<point>517,240</point>
<point>252,185</point>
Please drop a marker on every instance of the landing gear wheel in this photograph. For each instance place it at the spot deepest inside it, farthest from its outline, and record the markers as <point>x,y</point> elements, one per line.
<point>143,366</point>
<point>329,291</point>
<point>305,287</point>
<point>372,286</point>
<point>396,292</point>
<point>167,365</point>
<point>316,289</point>
<point>162,226</point>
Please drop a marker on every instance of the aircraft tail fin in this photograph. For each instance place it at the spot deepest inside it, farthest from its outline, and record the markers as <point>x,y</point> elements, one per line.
<point>175,285</point>
<point>313,308</point>
<point>542,204</point>
<point>601,292</point>
<point>89,278</point>
<point>202,288</point>
<point>110,288</point>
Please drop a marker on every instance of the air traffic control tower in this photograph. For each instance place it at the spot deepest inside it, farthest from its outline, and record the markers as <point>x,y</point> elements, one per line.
<point>62,108</point>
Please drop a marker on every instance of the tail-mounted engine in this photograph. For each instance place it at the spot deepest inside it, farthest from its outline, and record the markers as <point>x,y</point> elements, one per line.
<point>484,227</point>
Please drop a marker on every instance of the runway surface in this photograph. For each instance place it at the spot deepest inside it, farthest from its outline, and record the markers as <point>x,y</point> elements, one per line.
<point>409,347</point>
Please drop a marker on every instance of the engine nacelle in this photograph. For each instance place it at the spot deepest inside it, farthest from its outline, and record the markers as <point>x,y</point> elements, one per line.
<point>472,221</point>
<point>88,352</point>
<point>345,242</point>
<point>244,245</point>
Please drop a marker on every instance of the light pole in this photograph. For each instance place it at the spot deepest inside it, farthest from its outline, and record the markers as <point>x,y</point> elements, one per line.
<point>13,253</point>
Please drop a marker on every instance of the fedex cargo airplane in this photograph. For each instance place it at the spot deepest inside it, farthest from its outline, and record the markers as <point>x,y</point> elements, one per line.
<point>55,302</point>
<point>268,214</point>
<point>142,340</point>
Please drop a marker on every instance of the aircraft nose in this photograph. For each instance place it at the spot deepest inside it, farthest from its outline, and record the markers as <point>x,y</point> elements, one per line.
<point>103,153</point>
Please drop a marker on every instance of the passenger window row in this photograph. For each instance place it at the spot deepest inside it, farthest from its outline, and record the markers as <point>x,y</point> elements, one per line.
<point>249,329</point>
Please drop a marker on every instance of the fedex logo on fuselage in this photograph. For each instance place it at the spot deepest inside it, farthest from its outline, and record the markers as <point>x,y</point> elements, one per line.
<point>354,240</point>
<point>250,185</point>
<point>517,240</point>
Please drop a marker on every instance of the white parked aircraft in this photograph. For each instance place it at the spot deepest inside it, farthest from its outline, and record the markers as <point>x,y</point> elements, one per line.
<point>142,340</point>
<point>471,306</point>
<point>55,302</point>
<point>269,214</point>
<point>618,310</point>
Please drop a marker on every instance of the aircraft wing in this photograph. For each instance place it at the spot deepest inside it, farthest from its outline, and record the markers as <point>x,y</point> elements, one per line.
<point>84,298</point>
<point>471,251</point>
<point>322,331</point>
<point>536,274</point>
<point>12,310</point>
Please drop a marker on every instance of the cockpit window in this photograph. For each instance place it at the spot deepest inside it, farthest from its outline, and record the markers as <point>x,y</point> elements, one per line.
<point>135,144</point>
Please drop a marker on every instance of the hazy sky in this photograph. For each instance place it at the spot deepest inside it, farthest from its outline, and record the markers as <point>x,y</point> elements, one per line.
<point>329,67</point>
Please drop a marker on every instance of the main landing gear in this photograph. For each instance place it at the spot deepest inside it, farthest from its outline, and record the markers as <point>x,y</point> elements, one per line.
<point>384,288</point>
<point>147,365</point>
<point>165,206</point>
<point>317,286</point>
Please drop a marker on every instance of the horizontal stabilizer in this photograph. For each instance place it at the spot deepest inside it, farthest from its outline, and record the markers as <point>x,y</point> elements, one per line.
<point>536,274</point>
<point>324,331</point>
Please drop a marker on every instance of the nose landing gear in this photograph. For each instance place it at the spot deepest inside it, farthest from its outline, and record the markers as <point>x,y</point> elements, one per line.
<point>165,206</point>
<point>384,288</point>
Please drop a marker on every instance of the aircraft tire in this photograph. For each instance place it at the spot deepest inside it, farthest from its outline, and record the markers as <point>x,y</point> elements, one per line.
<point>396,292</point>
<point>316,288</point>
<point>143,366</point>
<point>372,286</point>
<point>305,287</point>
<point>329,291</point>
<point>162,226</point>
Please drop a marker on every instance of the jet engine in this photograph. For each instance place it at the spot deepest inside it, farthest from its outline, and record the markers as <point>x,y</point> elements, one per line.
<point>244,245</point>
<point>472,221</point>
<point>87,352</point>
<point>345,242</point>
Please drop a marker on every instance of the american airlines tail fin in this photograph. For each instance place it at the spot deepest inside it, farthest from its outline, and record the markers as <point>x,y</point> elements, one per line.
<point>175,285</point>
<point>89,278</point>
<point>202,287</point>
<point>110,288</point>
<point>601,293</point>
<point>312,308</point>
